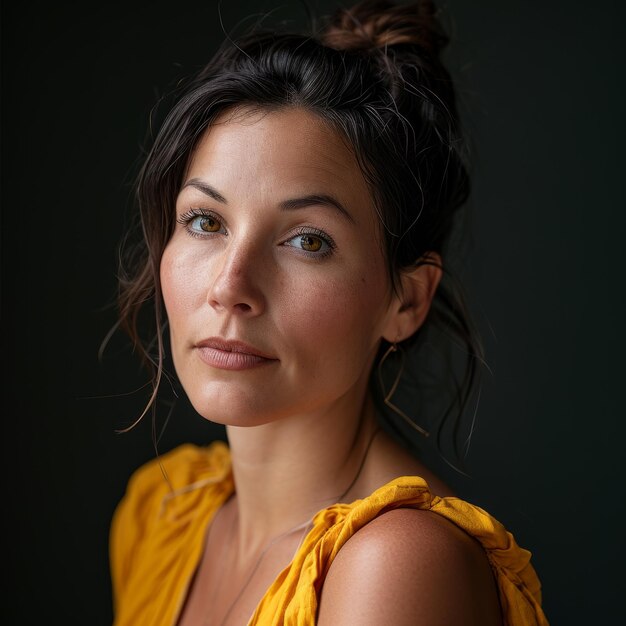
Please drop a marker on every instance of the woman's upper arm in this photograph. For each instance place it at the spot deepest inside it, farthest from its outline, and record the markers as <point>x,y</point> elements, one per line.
<point>410,567</point>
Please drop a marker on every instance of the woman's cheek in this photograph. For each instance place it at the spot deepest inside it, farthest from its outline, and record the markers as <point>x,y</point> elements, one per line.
<point>336,310</point>
<point>183,280</point>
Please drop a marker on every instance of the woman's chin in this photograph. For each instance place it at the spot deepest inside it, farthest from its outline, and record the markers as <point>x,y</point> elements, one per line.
<point>235,412</point>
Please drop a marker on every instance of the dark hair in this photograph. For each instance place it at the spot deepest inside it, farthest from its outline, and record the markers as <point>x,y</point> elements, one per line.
<point>374,74</point>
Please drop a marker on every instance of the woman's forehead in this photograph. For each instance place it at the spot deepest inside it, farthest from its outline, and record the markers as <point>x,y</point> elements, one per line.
<point>279,152</point>
<point>288,141</point>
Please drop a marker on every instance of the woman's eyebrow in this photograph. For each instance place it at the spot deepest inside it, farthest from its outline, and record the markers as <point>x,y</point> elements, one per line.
<point>315,199</point>
<point>205,188</point>
<point>292,204</point>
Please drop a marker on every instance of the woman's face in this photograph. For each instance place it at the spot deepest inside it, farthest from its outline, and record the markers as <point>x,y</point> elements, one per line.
<point>274,281</point>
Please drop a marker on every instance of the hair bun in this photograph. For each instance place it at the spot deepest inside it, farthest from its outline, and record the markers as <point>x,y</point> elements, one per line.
<point>377,24</point>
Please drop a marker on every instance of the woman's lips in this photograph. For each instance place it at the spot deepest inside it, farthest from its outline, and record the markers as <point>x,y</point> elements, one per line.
<point>231,355</point>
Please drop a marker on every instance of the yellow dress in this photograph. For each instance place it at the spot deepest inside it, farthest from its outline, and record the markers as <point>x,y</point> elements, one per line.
<point>156,542</point>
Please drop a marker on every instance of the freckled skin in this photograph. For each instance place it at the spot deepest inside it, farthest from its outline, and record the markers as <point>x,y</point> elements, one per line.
<point>320,317</point>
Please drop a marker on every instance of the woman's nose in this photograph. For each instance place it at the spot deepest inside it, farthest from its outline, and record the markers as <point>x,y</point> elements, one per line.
<point>236,287</point>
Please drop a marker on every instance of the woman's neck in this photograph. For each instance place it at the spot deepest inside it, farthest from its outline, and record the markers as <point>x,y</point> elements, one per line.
<point>287,470</point>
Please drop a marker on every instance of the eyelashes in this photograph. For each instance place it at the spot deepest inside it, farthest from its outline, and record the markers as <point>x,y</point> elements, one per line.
<point>312,241</point>
<point>307,240</point>
<point>200,223</point>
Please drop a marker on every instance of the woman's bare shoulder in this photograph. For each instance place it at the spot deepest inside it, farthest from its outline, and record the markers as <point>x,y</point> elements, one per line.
<point>406,563</point>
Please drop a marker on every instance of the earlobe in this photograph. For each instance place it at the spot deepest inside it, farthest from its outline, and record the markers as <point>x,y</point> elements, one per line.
<point>418,287</point>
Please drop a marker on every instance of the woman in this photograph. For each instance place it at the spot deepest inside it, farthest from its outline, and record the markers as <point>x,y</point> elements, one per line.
<point>296,206</point>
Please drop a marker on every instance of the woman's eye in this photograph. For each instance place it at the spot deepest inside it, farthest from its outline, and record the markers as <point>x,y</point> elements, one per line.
<point>205,223</point>
<point>311,242</point>
<point>197,223</point>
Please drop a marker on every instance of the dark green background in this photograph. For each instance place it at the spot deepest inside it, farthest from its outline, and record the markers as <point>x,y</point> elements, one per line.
<point>541,89</point>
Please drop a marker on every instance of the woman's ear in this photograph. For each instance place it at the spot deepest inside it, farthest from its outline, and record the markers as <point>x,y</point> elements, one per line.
<point>417,289</point>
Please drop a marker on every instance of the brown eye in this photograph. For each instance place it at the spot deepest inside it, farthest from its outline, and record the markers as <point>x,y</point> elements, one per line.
<point>310,243</point>
<point>208,224</point>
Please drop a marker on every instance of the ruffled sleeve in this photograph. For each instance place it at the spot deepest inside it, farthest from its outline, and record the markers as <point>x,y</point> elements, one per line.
<point>518,585</point>
<point>293,598</point>
<point>166,503</point>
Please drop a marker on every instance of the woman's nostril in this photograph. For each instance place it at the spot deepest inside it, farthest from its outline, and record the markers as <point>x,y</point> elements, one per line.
<point>236,291</point>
